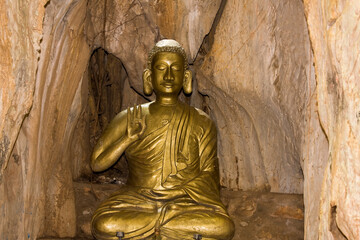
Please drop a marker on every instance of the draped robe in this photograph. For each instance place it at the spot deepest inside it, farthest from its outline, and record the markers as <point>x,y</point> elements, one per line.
<point>180,154</point>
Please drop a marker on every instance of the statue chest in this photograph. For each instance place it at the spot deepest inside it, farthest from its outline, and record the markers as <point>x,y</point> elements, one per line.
<point>154,122</point>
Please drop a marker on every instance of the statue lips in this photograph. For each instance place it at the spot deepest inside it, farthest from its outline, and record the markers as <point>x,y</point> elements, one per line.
<point>168,84</point>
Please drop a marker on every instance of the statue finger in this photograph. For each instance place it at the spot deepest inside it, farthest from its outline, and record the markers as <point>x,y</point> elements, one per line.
<point>143,128</point>
<point>128,116</point>
<point>143,121</point>
<point>133,114</point>
<point>139,112</point>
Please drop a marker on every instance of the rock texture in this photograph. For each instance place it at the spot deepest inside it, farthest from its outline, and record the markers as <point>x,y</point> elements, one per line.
<point>257,76</point>
<point>334,28</point>
<point>280,128</point>
<point>20,32</point>
<point>37,196</point>
<point>129,29</point>
<point>43,143</point>
<point>315,157</point>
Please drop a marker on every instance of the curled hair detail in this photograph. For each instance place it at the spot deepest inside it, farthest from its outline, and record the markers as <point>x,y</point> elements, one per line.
<point>173,49</point>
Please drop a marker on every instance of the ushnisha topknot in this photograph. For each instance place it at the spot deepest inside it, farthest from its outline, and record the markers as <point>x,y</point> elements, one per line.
<point>167,45</point>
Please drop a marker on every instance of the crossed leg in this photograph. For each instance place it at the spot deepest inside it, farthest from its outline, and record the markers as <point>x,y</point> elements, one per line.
<point>211,225</point>
<point>135,224</point>
<point>138,217</point>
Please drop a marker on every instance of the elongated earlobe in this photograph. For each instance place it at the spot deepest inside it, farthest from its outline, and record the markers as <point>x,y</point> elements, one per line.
<point>187,84</point>
<point>148,88</point>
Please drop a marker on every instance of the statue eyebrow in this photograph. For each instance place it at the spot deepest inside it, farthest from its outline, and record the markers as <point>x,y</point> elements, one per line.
<point>164,62</point>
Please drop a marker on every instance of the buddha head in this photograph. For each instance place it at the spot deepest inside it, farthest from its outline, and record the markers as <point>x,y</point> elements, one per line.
<point>167,70</point>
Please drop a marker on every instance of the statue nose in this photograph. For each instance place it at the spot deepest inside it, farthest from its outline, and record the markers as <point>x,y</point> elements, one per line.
<point>168,75</point>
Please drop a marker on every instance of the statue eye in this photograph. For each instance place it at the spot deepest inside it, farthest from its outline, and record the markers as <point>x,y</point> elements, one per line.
<point>176,67</point>
<point>160,67</point>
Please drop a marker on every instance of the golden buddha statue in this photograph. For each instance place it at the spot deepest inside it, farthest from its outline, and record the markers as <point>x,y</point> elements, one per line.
<point>173,187</point>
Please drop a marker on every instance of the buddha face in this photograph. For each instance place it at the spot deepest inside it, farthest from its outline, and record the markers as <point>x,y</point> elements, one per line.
<point>167,73</point>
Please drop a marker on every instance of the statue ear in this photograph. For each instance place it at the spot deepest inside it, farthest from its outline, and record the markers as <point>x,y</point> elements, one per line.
<point>187,84</point>
<point>148,88</point>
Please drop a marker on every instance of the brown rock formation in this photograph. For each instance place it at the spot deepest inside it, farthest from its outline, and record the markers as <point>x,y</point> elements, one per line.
<point>21,31</point>
<point>37,195</point>
<point>279,126</point>
<point>334,28</point>
<point>20,35</point>
<point>128,29</point>
<point>258,77</point>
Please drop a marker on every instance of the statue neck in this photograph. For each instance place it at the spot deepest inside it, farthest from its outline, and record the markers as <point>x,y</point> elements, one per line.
<point>166,100</point>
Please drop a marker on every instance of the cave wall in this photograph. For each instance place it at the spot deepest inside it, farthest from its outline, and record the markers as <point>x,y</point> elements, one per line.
<point>257,75</point>
<point>37,196</point>
<point>279,118</point>
<point>334,28</point>
<point>21,29</point>
<point>42,146</point>
<point>112,24</point>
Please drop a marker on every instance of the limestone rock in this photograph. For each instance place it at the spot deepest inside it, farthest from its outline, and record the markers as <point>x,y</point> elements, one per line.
<point>256,75</point>
<point>21,31</point>
<point>20,34</point>
<point>334,28</point>
<point>255,71</point>
<point>37,196</point>
<point>315,155</point>
<point>185,21</point>
<point>129,29</point>
<point>275,216</point>
<point>44,195</point>
<point>57,106</point>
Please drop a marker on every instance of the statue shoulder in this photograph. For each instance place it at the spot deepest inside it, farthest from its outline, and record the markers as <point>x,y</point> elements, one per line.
<point>203,119</point>
<point>201,114</point>
<point>203,127</point>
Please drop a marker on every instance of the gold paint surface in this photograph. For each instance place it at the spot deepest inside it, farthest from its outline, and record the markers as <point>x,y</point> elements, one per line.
<point>173,186</point>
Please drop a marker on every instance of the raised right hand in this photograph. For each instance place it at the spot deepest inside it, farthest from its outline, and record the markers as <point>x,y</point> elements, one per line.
<point>136,123</point>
